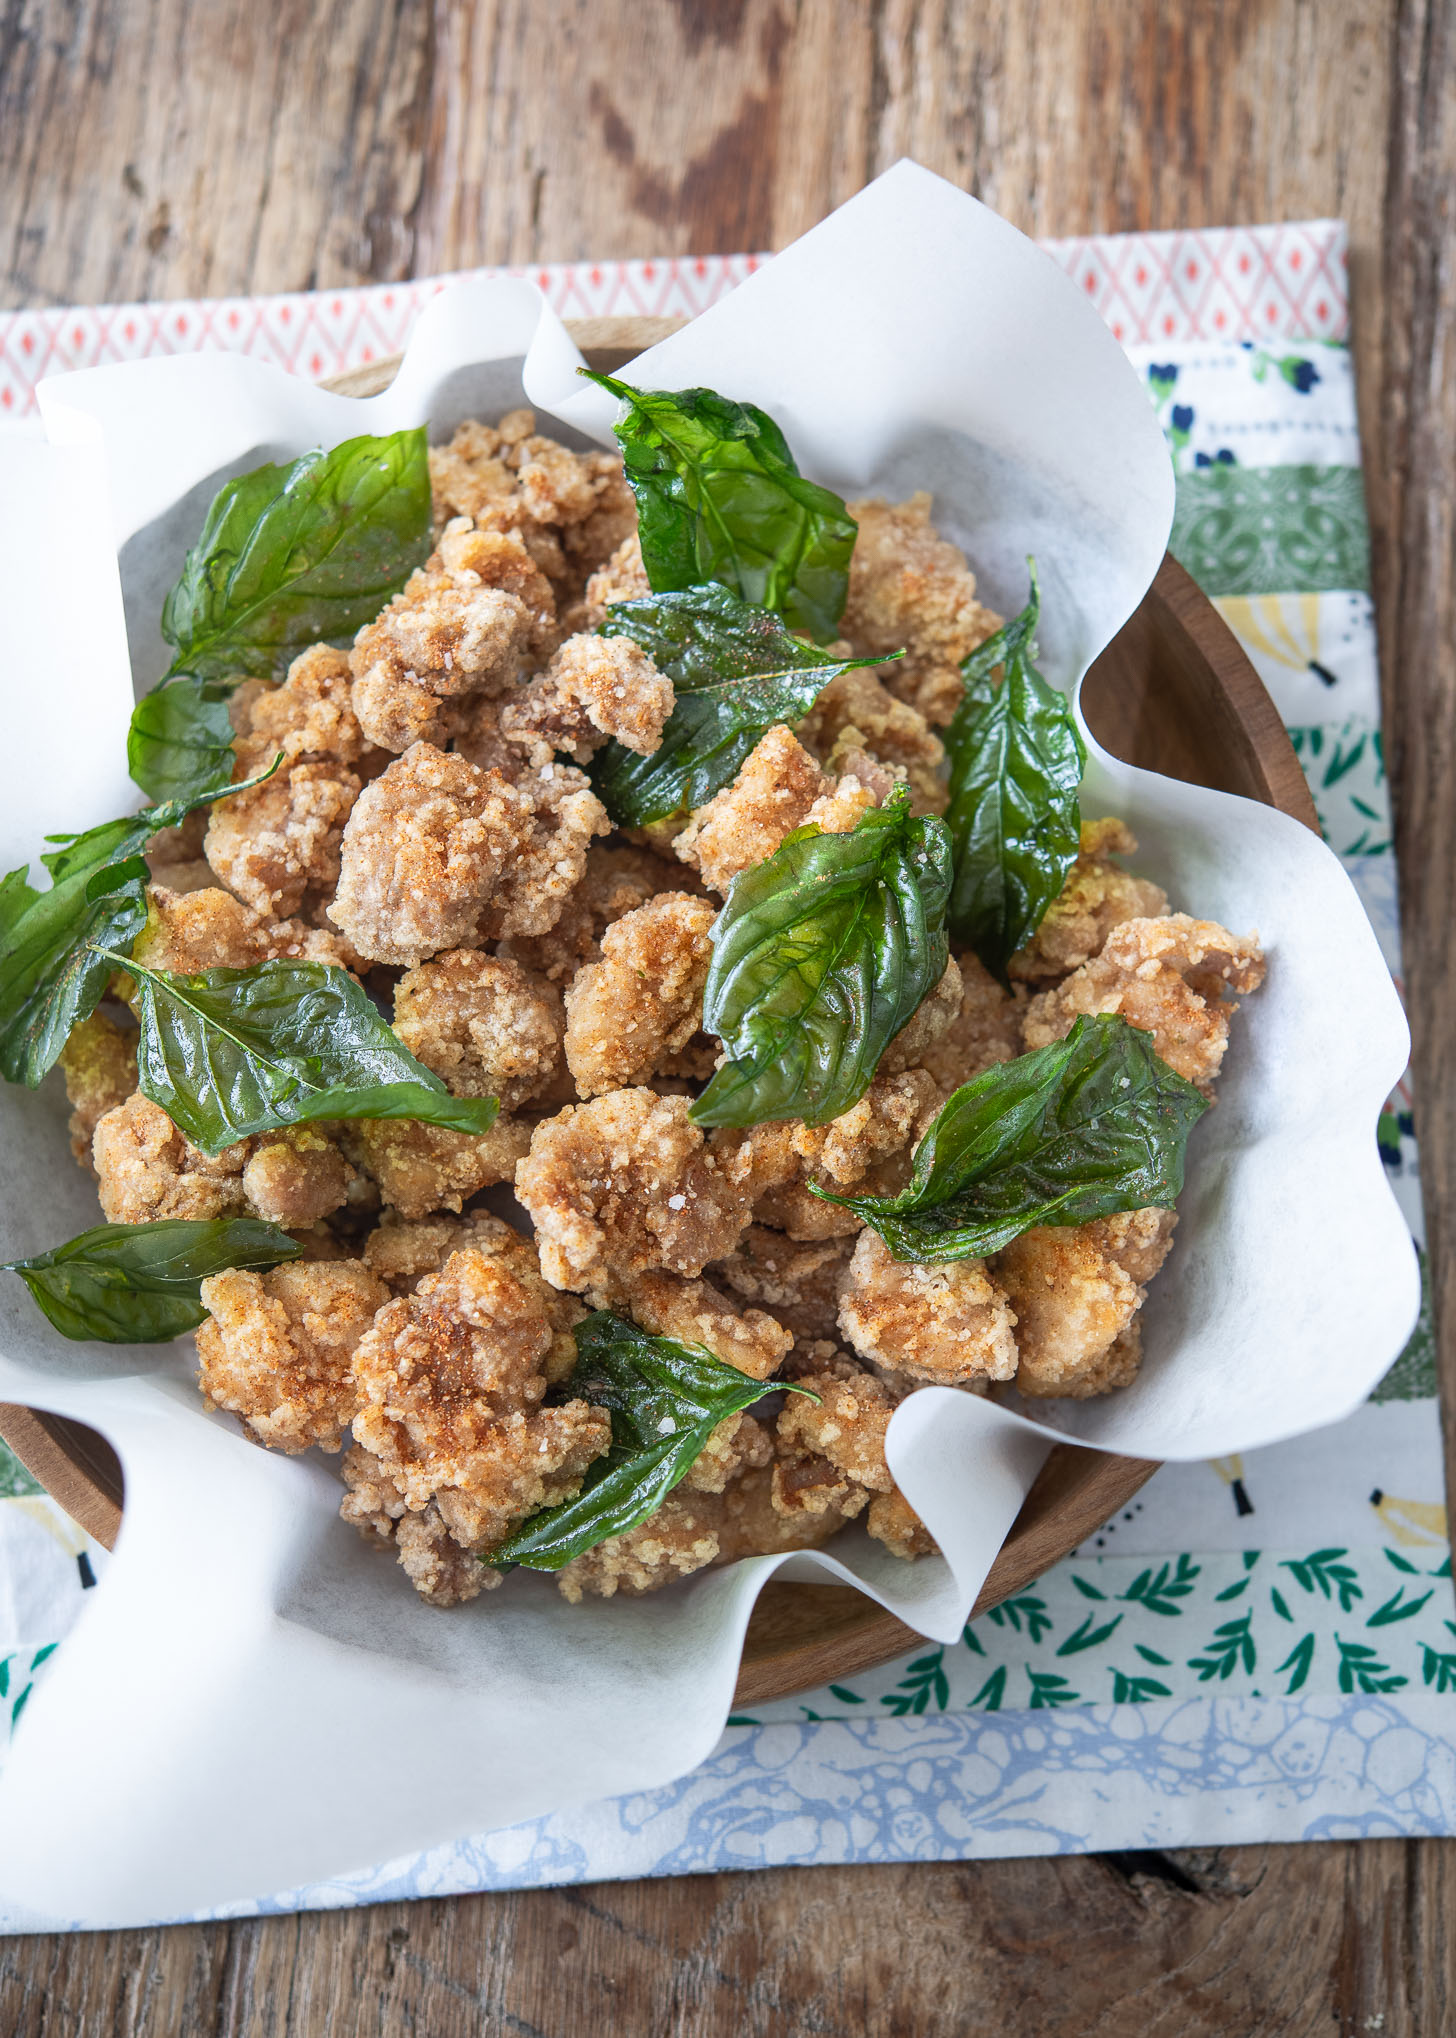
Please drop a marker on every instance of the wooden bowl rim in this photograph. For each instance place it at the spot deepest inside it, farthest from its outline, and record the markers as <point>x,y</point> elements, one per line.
<point>80,1471</point>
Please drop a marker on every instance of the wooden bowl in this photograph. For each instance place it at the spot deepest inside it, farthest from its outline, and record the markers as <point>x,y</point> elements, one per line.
<point>1173,692</point>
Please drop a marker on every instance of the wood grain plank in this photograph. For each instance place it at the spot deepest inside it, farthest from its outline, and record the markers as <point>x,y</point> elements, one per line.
<point>166,148</point>
<point>1295,1941</point>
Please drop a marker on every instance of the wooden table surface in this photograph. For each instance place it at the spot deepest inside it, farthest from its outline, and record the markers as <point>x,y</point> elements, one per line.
<point>155,148</point>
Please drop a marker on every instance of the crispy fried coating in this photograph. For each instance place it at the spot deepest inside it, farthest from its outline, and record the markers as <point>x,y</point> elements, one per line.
<point>986,1029</point>
<point>616,879</point>
<point>628,1015</point>
<point>279,841</point>
<point>276,1348</point>
<point>930,1022</point>
<point>694,1312</point>
<point>692,1530</point>
<point>910,588</point>
<point>1166,976</point>
<point>772,1163</point>
<point>442,1573</point>
<point>210,929</point>
<point>309,715</point>
<point>568,509</point>
<point>1097,897</point>
<point>487,1026</point>
<point>831,1452</point>
<point>797,1282</point>
<point>893,1521</point>
<point>593,688</point>
<point>948,1323</point>
<point>147,1170</point>
<point>624,1183</point>
<point>98,1062</point>
<point>450,1381</point>
<point>423,1168</point>
<point>857,715</point>
<point>437,851</point>
<point>402,1251</point>
<point>469,621</point>
<point>622,578</point>
<point>1076,1290</point>
<point>296,1176</point>
<point>778,788</point>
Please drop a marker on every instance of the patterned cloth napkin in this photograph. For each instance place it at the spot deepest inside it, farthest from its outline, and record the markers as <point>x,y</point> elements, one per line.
<point>1259,1648</point>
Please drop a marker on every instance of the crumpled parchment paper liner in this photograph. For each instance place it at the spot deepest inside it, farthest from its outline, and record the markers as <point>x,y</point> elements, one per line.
<point>256,1699</point>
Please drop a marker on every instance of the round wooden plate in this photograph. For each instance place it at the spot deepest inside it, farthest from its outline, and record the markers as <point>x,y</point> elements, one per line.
<point>1173,692</point>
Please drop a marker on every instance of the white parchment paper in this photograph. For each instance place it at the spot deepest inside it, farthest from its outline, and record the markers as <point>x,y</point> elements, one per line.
<point>257,1699</point>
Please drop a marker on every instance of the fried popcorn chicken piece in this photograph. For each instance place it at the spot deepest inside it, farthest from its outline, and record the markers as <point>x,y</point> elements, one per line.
<point>466,622</point>
<point>856,714</point>
<point>694,1312</point>
<point>909,588</point>
<point>309,716</point>
<point>568,509</point>
<point>488,1027</point>
<point>98,1062</point>
<point>798,1282</point>
<point>423,1168</point>
<point>624,1183</point>
<point>450,1381</point>
<point>616,879</point>
<point>210,929</point>
<point>771,1163</point>
<point>630,1013</point>
<point>402,1251</point>
<point>949,1323</point>
<point>442,1573</point>
<point>147,1170</point>
<point>986,1030</point>
<point>622,578</point>
<point>690,1531</point>
<point>565,815</point>
<point>930,1022</point>
<point>280,840</point>
<point>1096,897</point>
<point>1076,1290</point>
<point>894,1522</point>
<point>276,1348</point>
<point>775,792</point>
<point>296,1176</point>
<point>831,1452</point>
<point>1166,976</point>
<point>435,847</point>
<point>593,688</point>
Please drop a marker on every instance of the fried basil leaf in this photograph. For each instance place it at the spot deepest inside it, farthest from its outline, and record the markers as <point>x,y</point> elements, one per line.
<point>665,1400</point>
<point>129,1284</point>
<point>1088,1126</point>
<point>295,553</point>
<point>735,669</point>
<point>52,966</point>
<point>820,955</point>
<point>236,1051</point>
<point>1016,761</point>
<point>181,739</point>
<point>719,497</point>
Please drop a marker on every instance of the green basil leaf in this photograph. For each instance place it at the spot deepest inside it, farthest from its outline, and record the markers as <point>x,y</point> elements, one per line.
<point>295,553</point>
<point>736,671</point>
<point>181,738</point>
<point>52,969</point>
<point>130,1284</point>
<point>665,1400</point>
<point>236,1051</point>
<point>719,497</point>
<point>1016,761</point>
<point>1088,1126</point>
<point>820,955</point>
